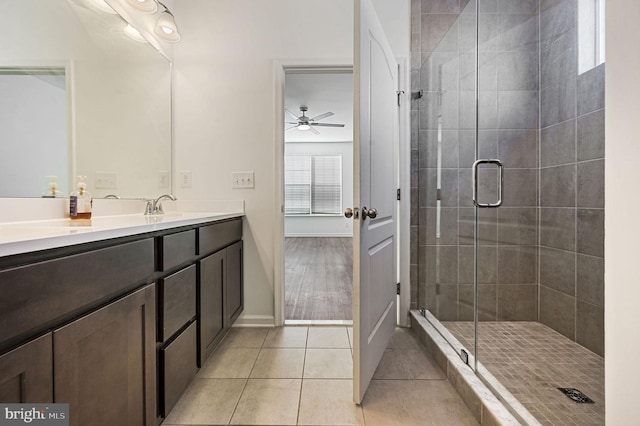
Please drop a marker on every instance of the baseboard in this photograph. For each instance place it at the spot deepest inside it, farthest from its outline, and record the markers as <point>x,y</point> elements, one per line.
<point>255,321</point>
<point>319,235</point>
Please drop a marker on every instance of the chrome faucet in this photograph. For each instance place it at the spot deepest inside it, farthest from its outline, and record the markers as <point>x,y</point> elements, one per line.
<point>157,204</point>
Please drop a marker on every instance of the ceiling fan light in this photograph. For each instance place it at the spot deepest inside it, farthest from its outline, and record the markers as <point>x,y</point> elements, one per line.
<point>144,6</point>
<point>303,127</point>
<point>166,27</point>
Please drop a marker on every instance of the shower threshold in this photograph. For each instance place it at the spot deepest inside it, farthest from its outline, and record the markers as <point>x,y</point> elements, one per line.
<point>489,401</point>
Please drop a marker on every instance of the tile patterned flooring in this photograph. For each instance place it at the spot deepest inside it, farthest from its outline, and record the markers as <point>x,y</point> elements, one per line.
<point>303,376</point>
<point>531,360</point>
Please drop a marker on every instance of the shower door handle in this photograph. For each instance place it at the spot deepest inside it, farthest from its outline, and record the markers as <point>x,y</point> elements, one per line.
<point>474,171</point>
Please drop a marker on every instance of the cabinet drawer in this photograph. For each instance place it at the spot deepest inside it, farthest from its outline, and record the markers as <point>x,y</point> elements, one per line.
<point>177,300</point>
<point>38,296</point>
<point>219,235</point>
<point>178,367</point>
<point>176,249</point>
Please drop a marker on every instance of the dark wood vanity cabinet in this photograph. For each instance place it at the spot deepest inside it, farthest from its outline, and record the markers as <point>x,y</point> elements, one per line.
<point>177,339</point>
<point>104,363</point>
<point>118,328</point>
<point>26,373</point>
<point>210,303</point>
<point>234,293</point>
<point>220,295</point>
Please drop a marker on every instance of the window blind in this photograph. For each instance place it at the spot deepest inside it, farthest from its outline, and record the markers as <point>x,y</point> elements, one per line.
<point>313,185</point>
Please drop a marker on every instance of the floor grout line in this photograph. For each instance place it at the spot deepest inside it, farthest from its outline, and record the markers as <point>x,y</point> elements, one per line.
<point>246,381</point>
<point>304,362</point>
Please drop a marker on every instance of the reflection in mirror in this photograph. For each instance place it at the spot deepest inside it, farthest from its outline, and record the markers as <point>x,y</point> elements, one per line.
<point>113,96</point>
<point>33,116</point>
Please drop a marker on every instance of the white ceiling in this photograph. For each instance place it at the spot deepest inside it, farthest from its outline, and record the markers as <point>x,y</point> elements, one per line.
<point>320,92</point>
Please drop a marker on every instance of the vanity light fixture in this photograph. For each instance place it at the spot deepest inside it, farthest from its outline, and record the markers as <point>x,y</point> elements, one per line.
<point>134,34</point>
<point>165,27</point>
<point>144,6</point>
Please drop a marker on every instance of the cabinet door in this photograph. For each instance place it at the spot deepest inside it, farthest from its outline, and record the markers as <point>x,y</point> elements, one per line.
<point>105,364</point>
<point>210,303</point>
<point>234,300</point>
<point>26,373</point>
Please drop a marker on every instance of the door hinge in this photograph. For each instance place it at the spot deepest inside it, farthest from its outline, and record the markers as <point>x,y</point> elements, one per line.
<point>398,288</point>
<point>398,194</point>
<point>399,93</point>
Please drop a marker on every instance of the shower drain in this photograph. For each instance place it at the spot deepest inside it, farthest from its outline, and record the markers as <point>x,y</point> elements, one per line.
<point>576,396</point>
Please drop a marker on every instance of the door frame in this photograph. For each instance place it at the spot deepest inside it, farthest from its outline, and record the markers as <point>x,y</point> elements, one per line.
<point>280,66</point>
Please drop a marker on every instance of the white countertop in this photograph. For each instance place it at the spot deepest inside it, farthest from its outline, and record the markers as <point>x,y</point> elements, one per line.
<point>29,236</point>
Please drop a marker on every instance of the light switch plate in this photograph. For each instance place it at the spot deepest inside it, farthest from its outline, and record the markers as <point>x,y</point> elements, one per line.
<point>242,180</point>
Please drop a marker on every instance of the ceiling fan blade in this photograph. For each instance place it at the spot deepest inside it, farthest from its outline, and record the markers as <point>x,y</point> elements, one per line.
<point>312,130</point>
<point>292,115</point>
<point>321,116</point>
<point>327,124</point>
<point>290,128</point>
<point>292,122</point>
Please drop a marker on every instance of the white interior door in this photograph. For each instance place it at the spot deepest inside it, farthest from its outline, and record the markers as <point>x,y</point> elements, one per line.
<point>375,184</point>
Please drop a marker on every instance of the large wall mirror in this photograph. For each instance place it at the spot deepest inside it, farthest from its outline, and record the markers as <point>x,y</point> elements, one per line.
<point>80,97</point>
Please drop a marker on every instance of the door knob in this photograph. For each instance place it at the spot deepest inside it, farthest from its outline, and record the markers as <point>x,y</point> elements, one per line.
<point>349,212</point>
<point>372,213</point>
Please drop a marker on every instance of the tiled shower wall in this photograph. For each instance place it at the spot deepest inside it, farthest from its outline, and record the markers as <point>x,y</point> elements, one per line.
<point>571,182</point>
<point>546,124</point>
<point>508,129</point>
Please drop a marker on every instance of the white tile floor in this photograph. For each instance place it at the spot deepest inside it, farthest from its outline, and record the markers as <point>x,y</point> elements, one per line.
<point>303,376</point>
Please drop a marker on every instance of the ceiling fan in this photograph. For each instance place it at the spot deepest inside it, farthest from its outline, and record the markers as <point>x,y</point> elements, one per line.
<point>308,123</point>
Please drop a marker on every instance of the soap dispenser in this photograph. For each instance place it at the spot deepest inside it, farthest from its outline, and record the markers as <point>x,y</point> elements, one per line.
<point>80,201</point>
<point>52,192</point>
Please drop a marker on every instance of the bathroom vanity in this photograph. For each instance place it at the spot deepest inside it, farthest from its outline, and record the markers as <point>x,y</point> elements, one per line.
<point>117,318</point>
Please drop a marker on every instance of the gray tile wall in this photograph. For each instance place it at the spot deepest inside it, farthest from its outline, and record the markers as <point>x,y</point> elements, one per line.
<point>443,46</point>
<point>541,254</point>
<point>571,182</point>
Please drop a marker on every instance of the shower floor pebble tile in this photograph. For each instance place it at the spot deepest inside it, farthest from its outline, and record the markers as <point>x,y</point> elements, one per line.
<point>316,389</point>
<point>531,360</point>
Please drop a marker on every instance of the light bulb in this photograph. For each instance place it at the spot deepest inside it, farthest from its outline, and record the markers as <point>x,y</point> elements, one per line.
<point>166,27</point>
<point>304,127</point>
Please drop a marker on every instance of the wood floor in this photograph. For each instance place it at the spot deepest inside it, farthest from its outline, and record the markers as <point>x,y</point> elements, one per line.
<point>318,278</point>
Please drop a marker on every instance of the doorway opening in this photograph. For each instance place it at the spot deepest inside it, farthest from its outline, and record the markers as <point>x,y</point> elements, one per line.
<point>318,185</point>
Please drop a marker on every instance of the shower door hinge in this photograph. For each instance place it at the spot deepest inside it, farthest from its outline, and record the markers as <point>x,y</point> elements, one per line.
<point>398,194</point>
<point>398,288</point>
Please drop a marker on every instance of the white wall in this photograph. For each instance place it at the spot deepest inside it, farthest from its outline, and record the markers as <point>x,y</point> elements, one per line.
<point>622,208</point>
<point>224,105</point>
<point>324,226</point>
